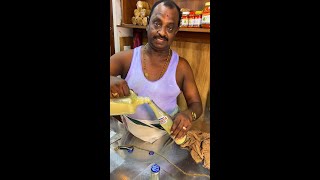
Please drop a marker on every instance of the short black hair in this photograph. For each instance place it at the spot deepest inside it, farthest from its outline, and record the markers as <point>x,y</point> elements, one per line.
<point>168,3</point>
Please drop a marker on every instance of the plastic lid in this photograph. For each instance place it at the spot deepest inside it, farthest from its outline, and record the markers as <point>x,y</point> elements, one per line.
<point>155,168</point>
<point>191,12</point>
<point>185,13</point>
<point>198,12</point>
<point>207,3</point>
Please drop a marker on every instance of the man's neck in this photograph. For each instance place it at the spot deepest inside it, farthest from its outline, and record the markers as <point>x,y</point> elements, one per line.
<point>155,52</point>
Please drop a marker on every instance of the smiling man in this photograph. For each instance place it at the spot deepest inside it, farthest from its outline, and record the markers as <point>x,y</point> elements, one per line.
<point>156,71</point>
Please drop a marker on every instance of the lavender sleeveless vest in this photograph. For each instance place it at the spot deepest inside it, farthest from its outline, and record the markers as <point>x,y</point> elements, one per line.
<point>163,92</point>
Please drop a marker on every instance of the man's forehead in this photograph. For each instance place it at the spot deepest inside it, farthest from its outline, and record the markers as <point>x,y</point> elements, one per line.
<point>161,10</point>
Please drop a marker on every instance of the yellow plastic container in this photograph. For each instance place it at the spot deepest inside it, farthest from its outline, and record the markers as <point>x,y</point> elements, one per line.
<point>165,121</point>
<point>126,105</point>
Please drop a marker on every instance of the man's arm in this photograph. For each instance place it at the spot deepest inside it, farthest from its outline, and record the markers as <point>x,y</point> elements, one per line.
<point>190,91</point>
<point>119,65</point>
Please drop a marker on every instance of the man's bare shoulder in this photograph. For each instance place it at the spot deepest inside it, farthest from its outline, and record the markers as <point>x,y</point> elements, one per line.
<point>120,62</point>
<point>183,65</point>
<point>123,57</point>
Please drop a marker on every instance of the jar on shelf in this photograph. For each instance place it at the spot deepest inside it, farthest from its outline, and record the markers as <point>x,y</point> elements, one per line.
<point>191,19</point>
<point>184,19</point>
<point>197,19</point>
<point>205,21</point>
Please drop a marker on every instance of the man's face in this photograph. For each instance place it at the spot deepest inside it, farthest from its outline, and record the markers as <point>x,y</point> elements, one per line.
<point>162,27</point>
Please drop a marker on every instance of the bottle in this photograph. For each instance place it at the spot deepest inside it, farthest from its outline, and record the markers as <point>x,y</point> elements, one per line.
<point>184,19</point>
<point>155,172</point>
<point>191,19</point>
<point>165,121</point>
<point>205,22</point>
<point>126,105</point>
<point>197,19</point>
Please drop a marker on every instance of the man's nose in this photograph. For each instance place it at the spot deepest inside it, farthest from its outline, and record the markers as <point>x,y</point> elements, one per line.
<point>162,31</point>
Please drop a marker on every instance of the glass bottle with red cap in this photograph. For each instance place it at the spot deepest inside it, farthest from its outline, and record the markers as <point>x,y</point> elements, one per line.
<point>191,19</point>
<point>205,23</point>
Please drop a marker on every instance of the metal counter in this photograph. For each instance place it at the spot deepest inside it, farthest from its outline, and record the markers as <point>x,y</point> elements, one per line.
<point>137,164</point>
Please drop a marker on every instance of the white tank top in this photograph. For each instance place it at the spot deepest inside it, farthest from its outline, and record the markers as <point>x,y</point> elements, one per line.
<point>163,92</point>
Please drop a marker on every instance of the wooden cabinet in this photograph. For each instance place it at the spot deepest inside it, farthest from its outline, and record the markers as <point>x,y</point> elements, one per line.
<point>193,44</point>
<point>129,6</point>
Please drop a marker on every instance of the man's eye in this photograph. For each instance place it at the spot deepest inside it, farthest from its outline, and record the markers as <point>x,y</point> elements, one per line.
<point>156,24</point>
<point>170,28</point>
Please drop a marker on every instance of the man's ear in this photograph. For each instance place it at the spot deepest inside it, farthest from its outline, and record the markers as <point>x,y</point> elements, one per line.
<point>177,31</point>
<point>147,28</point>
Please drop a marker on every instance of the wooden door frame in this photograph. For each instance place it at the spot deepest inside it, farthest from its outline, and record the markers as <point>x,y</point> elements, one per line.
<point>111,30</point>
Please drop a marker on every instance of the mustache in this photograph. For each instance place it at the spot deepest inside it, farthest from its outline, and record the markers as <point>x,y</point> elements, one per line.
<point>159,36</point>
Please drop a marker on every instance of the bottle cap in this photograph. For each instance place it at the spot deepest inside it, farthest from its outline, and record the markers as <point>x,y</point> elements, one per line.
<point>198,12</point>
<point>185,13</point>
<point>155,168</point>
<point>130,150</point>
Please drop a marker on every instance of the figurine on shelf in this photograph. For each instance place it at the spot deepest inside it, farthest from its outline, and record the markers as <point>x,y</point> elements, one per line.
<point>141,13</point>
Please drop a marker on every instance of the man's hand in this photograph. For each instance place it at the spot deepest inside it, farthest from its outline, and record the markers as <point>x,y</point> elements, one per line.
<point>181,124</point>
<point>118,87</point>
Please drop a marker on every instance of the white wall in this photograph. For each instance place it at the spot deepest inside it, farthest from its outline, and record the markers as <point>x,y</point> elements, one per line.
<point>118,31</point>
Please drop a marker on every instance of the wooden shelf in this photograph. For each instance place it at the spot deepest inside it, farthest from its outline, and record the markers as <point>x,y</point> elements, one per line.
<point>203,30</point>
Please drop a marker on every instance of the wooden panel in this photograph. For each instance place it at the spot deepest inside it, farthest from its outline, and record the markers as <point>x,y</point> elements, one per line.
<point>125,41</point>
<point>203,38</point>
<point>193,37</point>
<point>204,30</point>
<point>198,56</point>
<point>151,2</point>
<point>192,5</point>
<point>112,51</point>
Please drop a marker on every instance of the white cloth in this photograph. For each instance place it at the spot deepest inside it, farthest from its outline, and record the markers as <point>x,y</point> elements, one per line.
<point>148,134</point>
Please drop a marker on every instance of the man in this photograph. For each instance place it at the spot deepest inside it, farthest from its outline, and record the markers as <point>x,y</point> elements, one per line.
<point>155,71</point>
